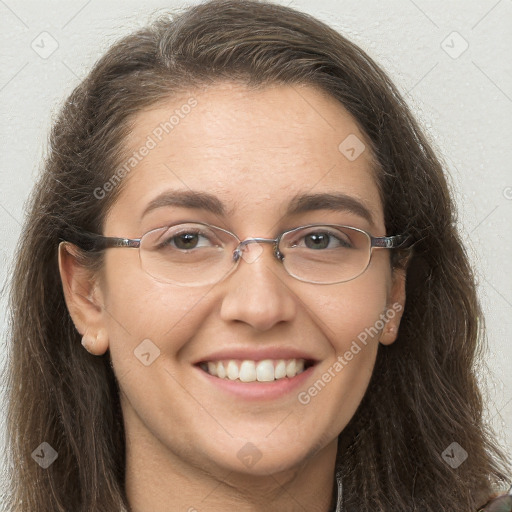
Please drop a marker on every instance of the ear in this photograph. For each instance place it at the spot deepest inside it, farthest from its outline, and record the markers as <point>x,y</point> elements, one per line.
<point>83,299</point>
<point>394,308</point>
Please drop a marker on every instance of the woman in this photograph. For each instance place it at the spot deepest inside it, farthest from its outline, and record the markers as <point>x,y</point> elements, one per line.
<point>333,370</point>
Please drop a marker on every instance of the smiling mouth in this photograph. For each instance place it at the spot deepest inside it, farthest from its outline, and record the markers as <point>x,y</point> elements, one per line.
<point>266,370</point>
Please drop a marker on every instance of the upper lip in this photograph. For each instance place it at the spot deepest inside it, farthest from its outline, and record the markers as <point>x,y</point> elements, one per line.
<point>259,354</point>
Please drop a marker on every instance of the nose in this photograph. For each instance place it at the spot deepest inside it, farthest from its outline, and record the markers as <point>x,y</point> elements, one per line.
<point>258,292</point>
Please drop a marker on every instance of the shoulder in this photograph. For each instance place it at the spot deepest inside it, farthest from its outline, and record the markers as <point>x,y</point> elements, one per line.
<point>498,502</point>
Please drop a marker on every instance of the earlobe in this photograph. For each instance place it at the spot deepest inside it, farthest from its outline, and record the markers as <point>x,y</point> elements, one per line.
<point>96,344</point>
<point>388,335</point>
<point>83,299</point>
<point>394,308</point>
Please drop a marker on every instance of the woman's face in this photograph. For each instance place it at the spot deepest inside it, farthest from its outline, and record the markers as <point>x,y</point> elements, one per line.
<point>253,152</point>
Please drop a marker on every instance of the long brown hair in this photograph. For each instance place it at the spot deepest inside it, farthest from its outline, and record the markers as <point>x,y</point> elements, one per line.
<point>423,394</point>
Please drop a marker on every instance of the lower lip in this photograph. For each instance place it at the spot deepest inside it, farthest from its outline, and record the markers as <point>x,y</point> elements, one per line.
<point>259,390</point>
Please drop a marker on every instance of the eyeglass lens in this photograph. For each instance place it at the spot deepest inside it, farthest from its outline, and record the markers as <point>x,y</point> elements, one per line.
<point>193,253</point>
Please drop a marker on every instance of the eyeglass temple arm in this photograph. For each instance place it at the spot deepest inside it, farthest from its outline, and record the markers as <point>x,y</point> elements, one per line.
<point>390,242</point>
<point>92,242</point>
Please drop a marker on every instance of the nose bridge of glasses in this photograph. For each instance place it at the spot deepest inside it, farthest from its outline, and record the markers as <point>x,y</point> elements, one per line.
<point>243,244</point>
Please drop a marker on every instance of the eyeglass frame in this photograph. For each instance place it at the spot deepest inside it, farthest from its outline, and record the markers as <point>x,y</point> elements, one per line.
<point>94,242</point>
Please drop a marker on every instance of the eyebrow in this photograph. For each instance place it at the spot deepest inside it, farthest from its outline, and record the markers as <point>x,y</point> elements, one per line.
<point>329,201</point>
<point>299,204</point>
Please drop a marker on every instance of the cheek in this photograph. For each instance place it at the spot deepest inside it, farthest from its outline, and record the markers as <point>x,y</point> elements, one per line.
<point>351,309</point>
<point>138,308</point>
<point>350,318</point>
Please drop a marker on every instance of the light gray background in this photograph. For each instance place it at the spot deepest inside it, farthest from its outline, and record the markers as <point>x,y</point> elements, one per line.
<point>462,97</point>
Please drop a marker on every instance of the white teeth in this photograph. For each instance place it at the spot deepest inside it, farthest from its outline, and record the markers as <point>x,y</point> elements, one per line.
<point>265,370</point>
<point>212,368</point>
<point>247,371</point>
<point>291,368</point>
<point>221,372</point>
<point>232,370</point>
<point>280,370</point>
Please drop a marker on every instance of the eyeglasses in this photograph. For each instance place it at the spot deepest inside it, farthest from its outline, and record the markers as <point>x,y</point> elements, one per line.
<point>195,253</point>
<point>501,503</point>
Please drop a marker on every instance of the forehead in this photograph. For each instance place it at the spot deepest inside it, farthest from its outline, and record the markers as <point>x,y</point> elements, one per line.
<point>253,149</point>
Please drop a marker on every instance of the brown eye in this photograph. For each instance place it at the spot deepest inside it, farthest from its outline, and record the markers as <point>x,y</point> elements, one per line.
<point>324,241</point>
<point>318,239</point>
<point>187,238</point>
<point>186,241</point>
